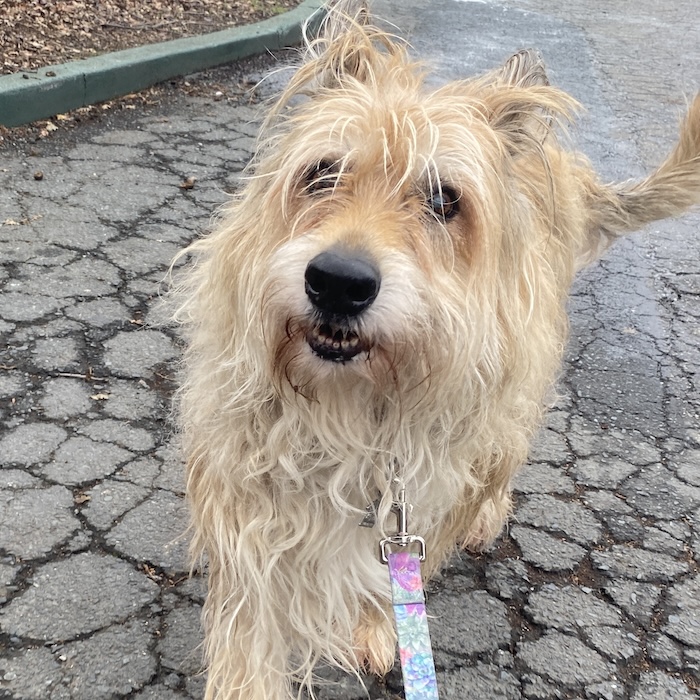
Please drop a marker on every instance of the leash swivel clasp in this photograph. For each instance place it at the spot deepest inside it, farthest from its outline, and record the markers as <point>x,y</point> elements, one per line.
<point>402,538</point>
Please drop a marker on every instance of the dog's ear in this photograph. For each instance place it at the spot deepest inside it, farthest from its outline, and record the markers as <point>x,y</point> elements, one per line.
<point>347,49</point>
<point>347,46</point>
<point>522,105</point>
<point>342,16</point>
<point>524,69</point>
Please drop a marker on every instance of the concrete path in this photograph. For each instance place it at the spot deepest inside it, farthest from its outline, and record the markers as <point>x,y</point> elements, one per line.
<point>593,593</point>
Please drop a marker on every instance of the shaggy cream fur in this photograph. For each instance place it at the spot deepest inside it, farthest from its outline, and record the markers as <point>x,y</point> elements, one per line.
<point>476,219</point>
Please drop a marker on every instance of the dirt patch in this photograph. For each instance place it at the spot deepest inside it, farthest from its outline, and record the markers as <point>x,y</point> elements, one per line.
<point>39,33</point>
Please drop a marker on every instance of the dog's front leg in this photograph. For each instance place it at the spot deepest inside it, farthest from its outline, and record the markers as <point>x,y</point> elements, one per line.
<point>246,658</point>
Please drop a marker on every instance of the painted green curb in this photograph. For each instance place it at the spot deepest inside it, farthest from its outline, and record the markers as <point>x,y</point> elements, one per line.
<point>26,97</point>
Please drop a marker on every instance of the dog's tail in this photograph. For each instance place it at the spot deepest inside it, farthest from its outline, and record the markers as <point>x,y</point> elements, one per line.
<point>669,191</point>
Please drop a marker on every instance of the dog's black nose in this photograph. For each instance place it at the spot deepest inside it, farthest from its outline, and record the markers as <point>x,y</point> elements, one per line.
<point>342,283</point>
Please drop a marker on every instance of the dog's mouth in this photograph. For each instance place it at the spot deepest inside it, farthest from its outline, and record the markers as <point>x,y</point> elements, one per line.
<point>335,342</point>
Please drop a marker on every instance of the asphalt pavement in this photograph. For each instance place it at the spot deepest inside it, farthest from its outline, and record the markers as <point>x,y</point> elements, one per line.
<point>594,591</point>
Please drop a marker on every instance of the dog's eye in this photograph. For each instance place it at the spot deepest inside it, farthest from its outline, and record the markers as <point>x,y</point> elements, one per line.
<point>444,201</point>
<point>321,176</point>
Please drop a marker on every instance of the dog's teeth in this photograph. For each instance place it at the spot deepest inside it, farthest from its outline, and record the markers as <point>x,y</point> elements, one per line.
<point>340,342</point>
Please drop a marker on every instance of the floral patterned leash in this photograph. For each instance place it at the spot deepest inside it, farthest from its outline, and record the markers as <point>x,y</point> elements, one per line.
<point>408,598</point>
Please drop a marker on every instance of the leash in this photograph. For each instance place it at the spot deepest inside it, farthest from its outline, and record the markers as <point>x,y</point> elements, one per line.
<point>408,600</point>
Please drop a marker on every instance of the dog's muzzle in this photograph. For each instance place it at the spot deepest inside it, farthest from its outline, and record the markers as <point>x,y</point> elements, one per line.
<point>341,285</point>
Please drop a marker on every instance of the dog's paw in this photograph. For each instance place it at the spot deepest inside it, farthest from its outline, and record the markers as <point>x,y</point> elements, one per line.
<point>375,643</point>
<point>488,523</point>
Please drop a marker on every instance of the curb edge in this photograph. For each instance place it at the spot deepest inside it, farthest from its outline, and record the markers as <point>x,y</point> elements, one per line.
<point>26,97</point>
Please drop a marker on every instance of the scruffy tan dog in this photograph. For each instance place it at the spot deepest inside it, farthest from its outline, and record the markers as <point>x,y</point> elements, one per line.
<point>382,304</point>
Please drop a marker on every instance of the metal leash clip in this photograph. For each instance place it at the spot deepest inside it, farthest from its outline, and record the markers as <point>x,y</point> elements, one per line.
<point>402,538</point>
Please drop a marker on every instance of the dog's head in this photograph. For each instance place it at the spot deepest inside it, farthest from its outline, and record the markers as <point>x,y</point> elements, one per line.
<point>391,232</point>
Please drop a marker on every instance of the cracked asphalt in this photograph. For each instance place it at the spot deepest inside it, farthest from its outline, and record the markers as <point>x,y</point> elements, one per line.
<point>594,591</point>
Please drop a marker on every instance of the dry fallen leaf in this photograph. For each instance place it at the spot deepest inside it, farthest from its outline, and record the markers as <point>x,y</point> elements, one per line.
<point>188,183</point>
<point>152,573</point>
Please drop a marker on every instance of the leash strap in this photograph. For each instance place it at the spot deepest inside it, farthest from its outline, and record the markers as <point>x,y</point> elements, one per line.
<point>417,665</point>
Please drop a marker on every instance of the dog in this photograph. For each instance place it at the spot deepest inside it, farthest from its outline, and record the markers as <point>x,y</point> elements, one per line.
<point>382,305</point>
